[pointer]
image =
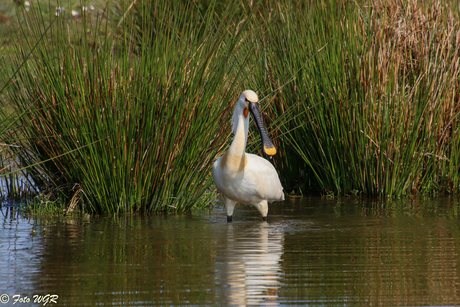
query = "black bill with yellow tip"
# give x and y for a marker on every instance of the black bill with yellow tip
(267, 144)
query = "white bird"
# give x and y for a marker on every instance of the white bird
(243, 177)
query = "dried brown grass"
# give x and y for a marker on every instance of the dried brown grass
(413, 38)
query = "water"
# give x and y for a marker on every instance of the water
(313, 252)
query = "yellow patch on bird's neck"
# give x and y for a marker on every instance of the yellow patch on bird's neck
(245, 112)
(235, 163)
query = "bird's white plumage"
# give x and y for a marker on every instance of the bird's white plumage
(242, 177)
(257, 182)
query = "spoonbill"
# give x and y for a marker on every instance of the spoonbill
(243, 177)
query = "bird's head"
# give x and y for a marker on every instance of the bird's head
(249, 103)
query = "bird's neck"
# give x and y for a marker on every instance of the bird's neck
(238, 146)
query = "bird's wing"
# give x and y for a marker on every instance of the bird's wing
(262, 175)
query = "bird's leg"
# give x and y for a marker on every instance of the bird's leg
(230, 204)
(263, 209)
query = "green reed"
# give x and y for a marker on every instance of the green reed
(128, 112)
(126, 120)
(366, 110)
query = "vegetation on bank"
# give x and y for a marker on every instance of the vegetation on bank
(127, 112)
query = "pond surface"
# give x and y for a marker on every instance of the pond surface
(314, 252)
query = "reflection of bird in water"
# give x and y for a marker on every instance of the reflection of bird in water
(242, 177)
(251, 264)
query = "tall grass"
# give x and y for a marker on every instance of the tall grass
(375, 111)
(127, 113)
(126, 121)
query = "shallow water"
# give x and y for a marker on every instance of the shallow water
(313, 252)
